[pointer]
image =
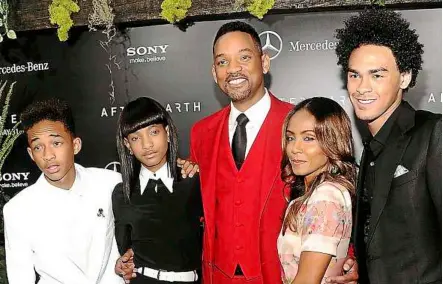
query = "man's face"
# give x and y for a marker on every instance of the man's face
(52, 147)
(375, 85)
(239, 66)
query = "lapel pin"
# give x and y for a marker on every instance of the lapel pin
(100, 213)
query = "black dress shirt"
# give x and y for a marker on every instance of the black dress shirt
(373, 146)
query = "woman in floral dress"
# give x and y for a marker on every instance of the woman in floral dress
(318, 165)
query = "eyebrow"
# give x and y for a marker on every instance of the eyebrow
(304, 131)
(150, 126)
(219, 55)
(51, 135)
(241, 50)
(246, 49)
(308, 130)
(371, 71)
(381, 69)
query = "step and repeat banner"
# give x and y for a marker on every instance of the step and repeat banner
(174, 67)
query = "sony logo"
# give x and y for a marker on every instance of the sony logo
(143, 50)
(14, 176)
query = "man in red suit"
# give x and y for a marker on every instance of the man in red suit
(241, 187)
(238, 150)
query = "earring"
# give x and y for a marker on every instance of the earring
(334, 170)
(130, 152)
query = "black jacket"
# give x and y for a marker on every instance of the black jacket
(404, 241)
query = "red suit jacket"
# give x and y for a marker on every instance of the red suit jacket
(208, 137)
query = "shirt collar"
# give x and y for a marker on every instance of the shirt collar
(162, 173)
(256, 113)
(379, 141)
(76, 187)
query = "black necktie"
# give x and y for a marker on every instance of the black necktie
(239, 140)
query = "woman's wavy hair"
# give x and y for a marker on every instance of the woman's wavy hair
(138, 114)
(333, 133)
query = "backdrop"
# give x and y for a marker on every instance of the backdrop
(173, 67)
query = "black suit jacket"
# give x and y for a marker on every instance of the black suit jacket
(405, 241)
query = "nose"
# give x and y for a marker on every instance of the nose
(147, 142)
(296, 147)
(364, 86)
(48, 154)
(234, 67)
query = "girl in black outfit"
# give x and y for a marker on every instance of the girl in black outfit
(157, 213)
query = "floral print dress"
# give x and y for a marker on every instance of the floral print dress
(324, 225)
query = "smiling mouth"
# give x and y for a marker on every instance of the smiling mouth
(237, 81)
(366, 102)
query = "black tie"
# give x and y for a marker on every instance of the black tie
(239, 140)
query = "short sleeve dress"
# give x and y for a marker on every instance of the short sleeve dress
(324, 225)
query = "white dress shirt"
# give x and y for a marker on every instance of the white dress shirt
(256, 115)
(67, 236)
(162, 173)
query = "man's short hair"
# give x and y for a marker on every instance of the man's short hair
(52, 109)
(238, 26)
(381, 27)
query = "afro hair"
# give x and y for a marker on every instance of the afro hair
(383, 28)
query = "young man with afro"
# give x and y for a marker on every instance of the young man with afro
(397, 225)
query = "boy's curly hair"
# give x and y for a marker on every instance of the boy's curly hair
(53, 109)
(384, 28)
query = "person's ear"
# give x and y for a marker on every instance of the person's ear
(30, 153)
(214, 74)
(77, 142)
(266, 63)
(405, 79)
(128, 146)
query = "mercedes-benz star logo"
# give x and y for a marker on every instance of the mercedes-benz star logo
(113, 166)
(273, 43)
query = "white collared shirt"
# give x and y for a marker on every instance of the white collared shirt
(256, 115)
(162, 173)
(67, 236)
